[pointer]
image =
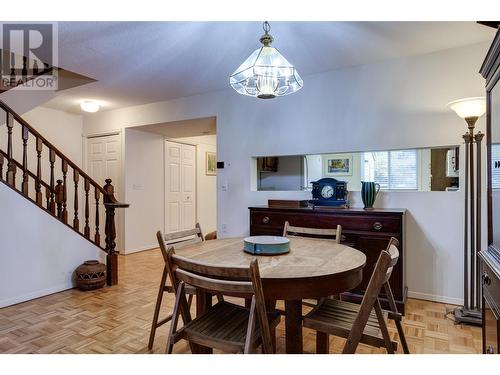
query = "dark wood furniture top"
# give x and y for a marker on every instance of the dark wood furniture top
(368, 231)
(225, 326)
(314, 268)
(366, 322)
(490, 258)
(73, 182)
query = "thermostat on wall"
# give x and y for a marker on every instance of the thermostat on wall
(220, 165)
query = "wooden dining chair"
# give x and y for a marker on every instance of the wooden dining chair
(181, 238)
(365, 323)
(335, 234)
(224, 326)
(328, 233)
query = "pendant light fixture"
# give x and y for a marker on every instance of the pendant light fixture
(266, 74)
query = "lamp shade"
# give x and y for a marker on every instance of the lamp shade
(266, 74)
(469, 107)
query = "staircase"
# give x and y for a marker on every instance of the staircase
(36, 169)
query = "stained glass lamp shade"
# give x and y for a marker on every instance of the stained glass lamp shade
(266, 73)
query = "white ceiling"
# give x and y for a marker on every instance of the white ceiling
(183, 129)
(143, 62)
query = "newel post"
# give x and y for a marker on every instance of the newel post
(110, 203)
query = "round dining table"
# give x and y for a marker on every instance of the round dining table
(313, 268)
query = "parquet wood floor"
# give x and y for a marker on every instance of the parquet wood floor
(117, 320)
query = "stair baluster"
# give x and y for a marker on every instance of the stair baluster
(47, 198)
(59, 198)
(52, 160)
(86, 230)
(38, 182)
(64, 213)
(24, 185)
(11, 166)
(76, 221)
(97, 237)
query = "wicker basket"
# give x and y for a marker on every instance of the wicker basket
(90, 275)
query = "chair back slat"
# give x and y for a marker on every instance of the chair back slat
(183, 234)
(214, 285)
(293, 231)
(183, 242)
(179, 239)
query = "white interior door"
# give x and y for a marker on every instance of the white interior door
(180, 186)
(104, 161)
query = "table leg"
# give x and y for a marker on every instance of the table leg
(203, 302)
(293, 326)
(322, 343)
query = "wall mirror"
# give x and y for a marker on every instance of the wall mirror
(425, 169)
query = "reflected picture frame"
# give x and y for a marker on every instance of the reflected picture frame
(337, 165)
(210, 163)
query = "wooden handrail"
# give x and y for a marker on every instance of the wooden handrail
(57, 191)
(59, 153)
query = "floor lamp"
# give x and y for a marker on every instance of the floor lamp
(471, 109)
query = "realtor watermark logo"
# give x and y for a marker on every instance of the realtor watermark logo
(28, 59)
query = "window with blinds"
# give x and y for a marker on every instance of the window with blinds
(392, 170)
(495, 166)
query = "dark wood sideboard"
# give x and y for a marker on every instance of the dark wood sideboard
(366, 230)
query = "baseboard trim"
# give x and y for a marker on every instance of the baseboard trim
(139, 249)
(435, 298)
(35, 294)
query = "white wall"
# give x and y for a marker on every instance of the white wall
(64, 130)
(37, 256)
(143, 161)
(393, 104)
(144, 187)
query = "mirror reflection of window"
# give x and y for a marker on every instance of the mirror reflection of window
(392, 170)
(495, 166)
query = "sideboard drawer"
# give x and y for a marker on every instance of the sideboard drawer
(365, 223)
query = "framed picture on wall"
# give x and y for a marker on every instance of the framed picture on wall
(337, 165)
(210, 163)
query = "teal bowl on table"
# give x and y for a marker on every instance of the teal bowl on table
(266, 245)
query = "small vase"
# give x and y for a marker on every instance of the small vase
(369, 191)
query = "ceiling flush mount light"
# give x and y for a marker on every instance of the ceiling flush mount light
(266, 74)
(89, 106)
